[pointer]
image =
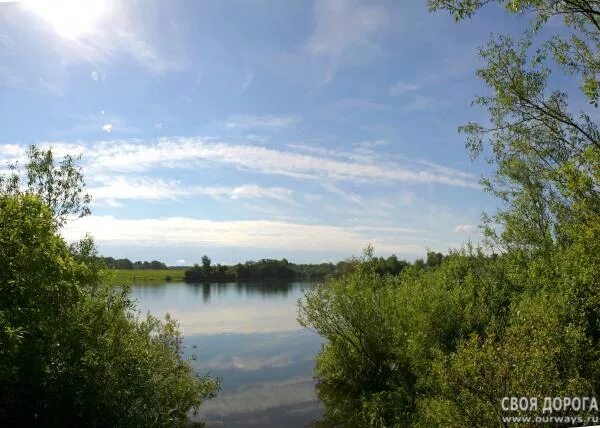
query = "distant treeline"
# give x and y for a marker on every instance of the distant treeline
(272, 269)
(113, 263)
(283, 269)
(257, 270)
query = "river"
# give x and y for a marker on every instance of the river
(247, 335)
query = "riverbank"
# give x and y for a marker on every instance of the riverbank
(145, 276)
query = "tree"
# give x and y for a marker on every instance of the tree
(155, 264)
(547, 156)
(434, 259)
(123, 264)
(60, 186)
(361, 379)
(446, 340)
(206, 269)
(73, 351)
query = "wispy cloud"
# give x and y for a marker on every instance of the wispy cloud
(341, 28)
(370, 144)
(272, 122)
(247, 81)
(117, 188)
(465, 228)
(138, 156)
(185, 231)
(247, 191)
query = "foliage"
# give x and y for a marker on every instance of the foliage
(547, 156)
(442, 343)
(61, 187)
(284, 270)
(384, 330)
(113, 263)
(74, 352)
(441, 346)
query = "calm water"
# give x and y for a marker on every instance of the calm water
(247, 335)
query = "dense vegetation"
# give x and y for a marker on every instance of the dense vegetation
(284, 270)
(113, 263)
(441, 345)
(72, 351)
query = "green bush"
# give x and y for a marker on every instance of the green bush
(73, 352)
(441, 344)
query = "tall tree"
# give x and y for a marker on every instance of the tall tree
(206, 264)
(60, 185)
(547, 153)
(443, 343)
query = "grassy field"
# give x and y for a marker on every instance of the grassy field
(146, 276)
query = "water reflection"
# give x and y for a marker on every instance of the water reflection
(247, 335)
(265, 289)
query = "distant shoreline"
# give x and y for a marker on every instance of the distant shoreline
(155, 276)
(141, 276)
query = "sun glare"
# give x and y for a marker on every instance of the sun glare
(69, 18)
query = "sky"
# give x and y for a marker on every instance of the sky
(253, 129)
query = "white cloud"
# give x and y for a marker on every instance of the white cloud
(371, 144)
(247, 191)
(11, 153)
(137, 156)
(90, 123)
(400, 88)
(97, 76)
(120, 187)
(153, 189)
(11, 150)
(185, 231)
(272, 122)
(465, 228)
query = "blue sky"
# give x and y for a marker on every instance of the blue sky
(250, 129)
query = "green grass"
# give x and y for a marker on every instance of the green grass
(145, 276)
